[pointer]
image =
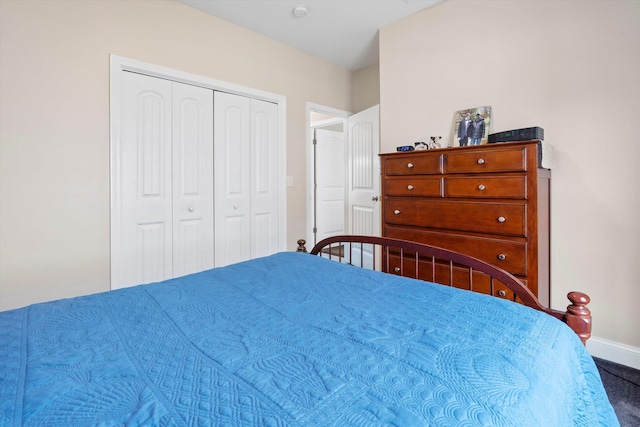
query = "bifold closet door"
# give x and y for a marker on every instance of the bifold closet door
(164, 188)
(246, 164)
(192, 153)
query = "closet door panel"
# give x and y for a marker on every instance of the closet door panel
(232, 171)
(264, 190)
(145, 193)
(192, 137)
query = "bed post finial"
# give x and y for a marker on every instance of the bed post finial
(301, 245)
(578, 315)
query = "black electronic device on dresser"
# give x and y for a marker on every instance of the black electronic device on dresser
(524, 134)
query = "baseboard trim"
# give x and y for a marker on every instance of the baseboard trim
(614, 352)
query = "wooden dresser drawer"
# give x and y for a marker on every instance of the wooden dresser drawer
(410, 164)
(507, 254)
(414, 186)
(504, 160)
(480, 217)
(509, 187)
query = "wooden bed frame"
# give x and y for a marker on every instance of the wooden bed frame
(443, 266)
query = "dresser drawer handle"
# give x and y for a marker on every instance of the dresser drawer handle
(502, 257)
(409, 165)
(501, 219)
(396, 212)
(481, 161)
(481, 187)
(397, 269)
(502, 293)
(409, 187)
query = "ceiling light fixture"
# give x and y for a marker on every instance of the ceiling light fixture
(300, 10)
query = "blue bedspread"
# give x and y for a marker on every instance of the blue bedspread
(293, 339)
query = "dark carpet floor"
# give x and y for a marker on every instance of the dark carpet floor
(623, 387)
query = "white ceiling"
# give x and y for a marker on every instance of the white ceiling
(344, 32)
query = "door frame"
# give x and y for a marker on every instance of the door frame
(119, 64)
(340, 115)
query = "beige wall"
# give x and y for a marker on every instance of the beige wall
(54, 123)
(570, 67)
(365, 88)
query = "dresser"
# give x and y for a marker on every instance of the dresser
(488, 201)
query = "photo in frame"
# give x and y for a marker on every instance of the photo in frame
(471, 127)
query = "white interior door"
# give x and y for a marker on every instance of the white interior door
(144, 183)
(331, 182)
(246, 183)
(192, 148)
(364, 180)
(232, 164)
(264, 211)
(364, 172)
(163, 181)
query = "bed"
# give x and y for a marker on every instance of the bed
(294, 339)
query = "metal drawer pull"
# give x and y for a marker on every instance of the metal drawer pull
(502, 257)
(397, 269)
(501, 219)
(502, 293)
(409, 165)
(396, 212)
(409, 187)
(481, 187)
(481, 161)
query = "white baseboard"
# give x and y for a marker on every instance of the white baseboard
(614, 352)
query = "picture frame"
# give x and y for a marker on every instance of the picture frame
(468, 124)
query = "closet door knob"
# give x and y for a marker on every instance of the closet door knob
(502, 257)
(481, 161)
(409, 187)
(481, 187)
(375, 198)
(190, 209)
(396, 212)
(397, 269)
(409, 165)
(501, 219)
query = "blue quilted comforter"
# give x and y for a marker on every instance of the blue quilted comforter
(293, 339)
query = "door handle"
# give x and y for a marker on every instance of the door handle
(375, 198)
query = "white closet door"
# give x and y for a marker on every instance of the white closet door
(232, 167)
(192, 147)
(145, 238)
(246, 178)
(264, 177)
(164, 181)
